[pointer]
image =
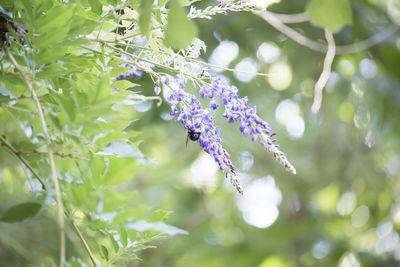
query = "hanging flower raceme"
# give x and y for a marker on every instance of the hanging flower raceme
(200, 121)
(237, 109)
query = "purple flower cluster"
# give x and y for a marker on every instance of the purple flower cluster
(198, 120)
(135, 72)
(237, 109)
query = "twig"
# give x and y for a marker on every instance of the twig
(294, 35)
(60, 207)
(84, 242)
(186, 58)
(61, 155)
(326, 71)
(291, 18)
(27, 165)
(369, 42)
(14, 99)
(275, 22)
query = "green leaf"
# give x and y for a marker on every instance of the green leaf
(129, 214)
(96, 6)
(98, 224)
(112, 2)
(5, 92)
(13, 82)
(188, 2)
(180, 30)
(161, 3)
(124, 236)
(67, 105)
(103, 88)
(329, 14)
(104, 252)
(142, 226)
(113, 242)
(123, 84)
(52, 37)
(130, 256)
(81, 25)
(119, 170)
(159, 215)
(49, 55)
(56, 18)
(145, 15)
(20, 212)
(114, 72)
(97, 169)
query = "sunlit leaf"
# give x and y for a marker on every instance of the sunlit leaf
(104, 252)
(159, 215)
(180, 31)
(123, 84)
(142, 226)
(113, 242)
(332, 15)
(54, 18)
(145, 15)
(119, 170)
(96, 6)
(124, 236)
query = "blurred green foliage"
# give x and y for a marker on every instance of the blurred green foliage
(341, 209)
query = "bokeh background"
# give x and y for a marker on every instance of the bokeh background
(342, 208)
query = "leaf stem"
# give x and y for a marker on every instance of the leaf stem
(84, 242)
(27, 165)
(60, 207)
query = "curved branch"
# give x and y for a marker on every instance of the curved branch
(27, 165)
(58, 154)
(326, 72)
(275, 22)
(290, 18)
(369, 42)
(60, 207)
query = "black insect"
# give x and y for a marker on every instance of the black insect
(192, 135)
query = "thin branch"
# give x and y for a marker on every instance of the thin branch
(27, 165)
(294, 35)
(275, 22)
(290, 18)
(326, 71)
(58, 154)
(186, 58)
(369, 42)
(84, 242)
(60, 207)
(16, 108)
(14, 99)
